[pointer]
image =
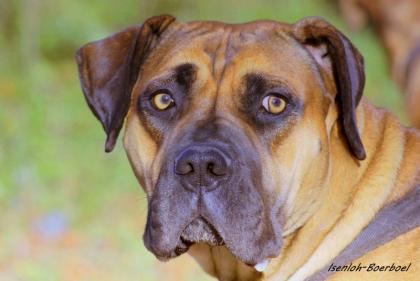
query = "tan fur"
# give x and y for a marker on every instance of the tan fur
(328, 196)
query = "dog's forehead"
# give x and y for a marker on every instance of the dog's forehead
(257, 46)
(239, 33)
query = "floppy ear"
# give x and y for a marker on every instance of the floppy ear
(335, 53)
(108, 70)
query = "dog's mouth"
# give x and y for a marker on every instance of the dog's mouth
(198, 231)
(232, 216)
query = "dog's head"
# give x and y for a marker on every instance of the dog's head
(227, 126)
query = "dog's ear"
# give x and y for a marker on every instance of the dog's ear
(108, 70)
(335, 53)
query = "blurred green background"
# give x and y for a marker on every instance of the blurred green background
(68, 211)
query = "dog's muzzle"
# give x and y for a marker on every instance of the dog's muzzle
(201, 169)
(211, 192)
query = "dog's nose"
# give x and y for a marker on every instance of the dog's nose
(202, 167)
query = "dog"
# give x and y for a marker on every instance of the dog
(397, 23)
(258, 154)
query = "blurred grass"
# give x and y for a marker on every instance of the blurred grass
(68, 211)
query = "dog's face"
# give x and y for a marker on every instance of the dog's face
(227, 126)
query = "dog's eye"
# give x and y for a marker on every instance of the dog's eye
(274, 104)
(162, 101)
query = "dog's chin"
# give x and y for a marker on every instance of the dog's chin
(201, 231)
(198, 231)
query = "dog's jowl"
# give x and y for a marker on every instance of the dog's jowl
(258, 154)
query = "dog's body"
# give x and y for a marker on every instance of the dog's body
(397, 22)
(245, 140)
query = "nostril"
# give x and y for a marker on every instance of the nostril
(184, 168)
(210, 167)
(217, 170)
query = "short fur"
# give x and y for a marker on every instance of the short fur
(307, 182)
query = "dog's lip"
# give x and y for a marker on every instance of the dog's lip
(185, 242)
(184, 245)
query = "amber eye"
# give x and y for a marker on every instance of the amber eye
(162, 101)
(274, 104)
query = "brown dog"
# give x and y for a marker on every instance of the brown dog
(397, 23)
(253, 142)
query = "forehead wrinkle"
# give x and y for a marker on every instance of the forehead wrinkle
(184, 45)
(240, 38)
(235, 40)
(278, 57)
(217, 54)
(240, 59)
(215, 48)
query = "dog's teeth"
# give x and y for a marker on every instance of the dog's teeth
(261, 266)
